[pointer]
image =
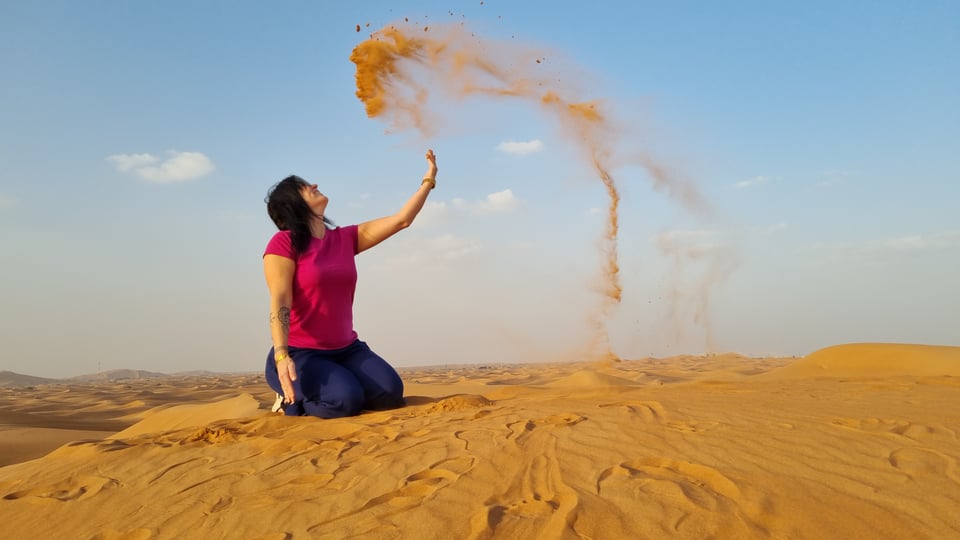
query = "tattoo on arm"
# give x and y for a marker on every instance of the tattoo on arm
(283, 316)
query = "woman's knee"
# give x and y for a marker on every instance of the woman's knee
(350, 400)
(390, 395)
(382, 383)
(391, 383)
(336, 402)
(386, 402)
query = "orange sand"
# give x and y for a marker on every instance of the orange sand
(858, 441)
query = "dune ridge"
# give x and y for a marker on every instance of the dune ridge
(11, 379)
(686, 447)
(876, 360)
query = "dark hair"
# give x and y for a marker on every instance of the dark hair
(290, 212)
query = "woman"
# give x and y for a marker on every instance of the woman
(317, 365)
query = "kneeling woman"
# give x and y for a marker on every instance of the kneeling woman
(317, 365)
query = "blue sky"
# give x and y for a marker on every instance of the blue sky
(138, 140)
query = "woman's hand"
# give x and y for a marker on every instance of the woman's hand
(288, 373)
(432, 166)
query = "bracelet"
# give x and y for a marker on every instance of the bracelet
(433, 182)
(280, 356)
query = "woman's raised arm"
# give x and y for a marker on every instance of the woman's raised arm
(373, 232)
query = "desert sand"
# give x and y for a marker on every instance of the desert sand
(854, 441)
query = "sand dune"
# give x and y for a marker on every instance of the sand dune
(118, 375)
(11, 379)
(165, 418)
(50, 415)
(876, 360)
(688, 447)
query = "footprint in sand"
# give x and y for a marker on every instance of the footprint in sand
(654, 411)
(701, 485)
(924, 462)
(222, 504)
(177, 465)
(461, 402)
(566, 419)
(537, 496)
(74, 489)
(650, 411)
(691, 427)
(885, 425)
(421, 485)
(520, 429)
(414, 489)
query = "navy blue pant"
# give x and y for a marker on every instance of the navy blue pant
(340, 382)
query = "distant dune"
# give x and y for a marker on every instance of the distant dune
(118, 375)
(9, 379)
(875, 360)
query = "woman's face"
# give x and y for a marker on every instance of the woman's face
(315, 200)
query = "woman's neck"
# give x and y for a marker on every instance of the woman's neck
(318, 229)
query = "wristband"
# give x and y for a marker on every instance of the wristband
(433, 182)
(280, 356)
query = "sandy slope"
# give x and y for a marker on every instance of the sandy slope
(688, 447)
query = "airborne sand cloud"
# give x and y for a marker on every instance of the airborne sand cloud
(399, 67)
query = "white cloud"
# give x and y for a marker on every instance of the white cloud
(435, 213)
(495, 203)
(7, 202)
(756, 180)
(126, 162)
(520, 148)
(178, 167)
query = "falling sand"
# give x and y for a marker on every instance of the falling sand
(391, 68)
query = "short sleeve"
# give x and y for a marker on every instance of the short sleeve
(282, 245)
(351, 231)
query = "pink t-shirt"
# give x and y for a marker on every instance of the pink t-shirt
(324, 283)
